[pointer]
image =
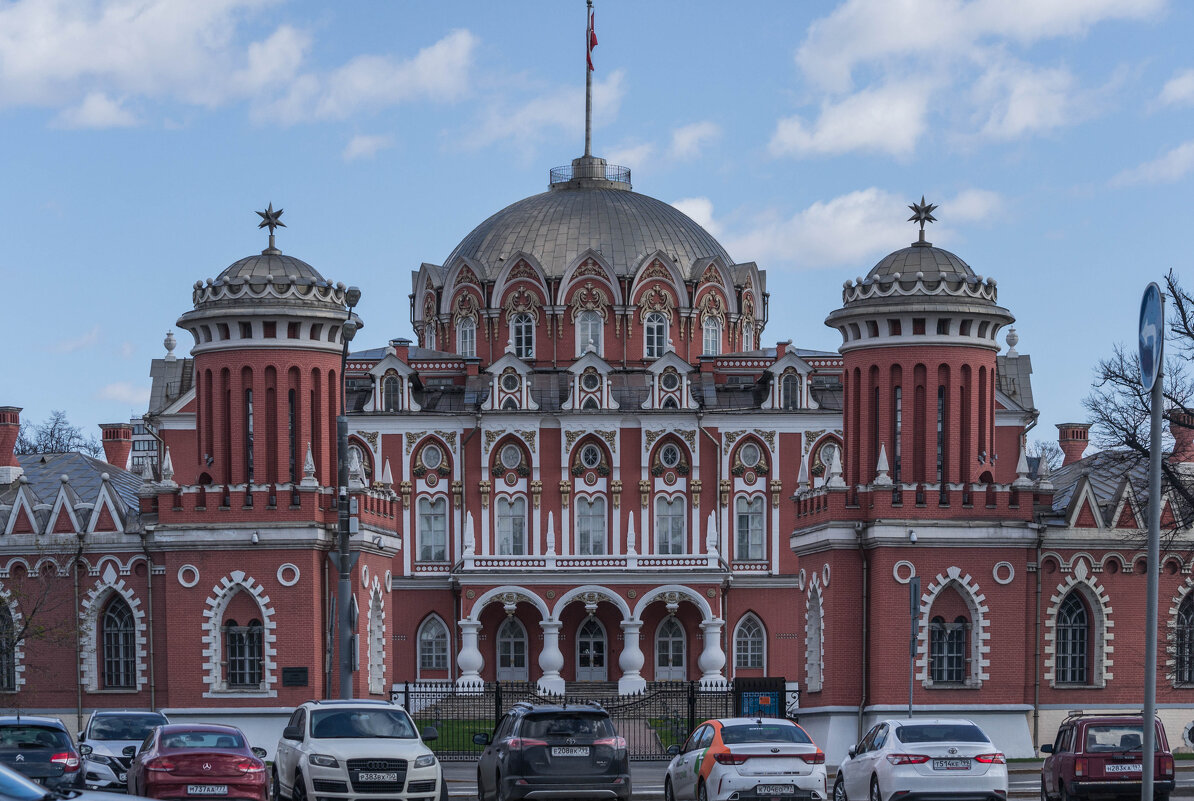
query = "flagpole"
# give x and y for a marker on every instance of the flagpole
(588, 80)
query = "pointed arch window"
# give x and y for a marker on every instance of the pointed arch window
(748, 644)
(429, 337)
(119, 644)
(589, 329)
(433, 645)
(789, 391)
(654, 335)
(8, 650)
(947, 649)
(512, 526)
(391, 394)
(712, 337)
(1073, 637)
(1184, 642)
(243, 646)
(669, 525)
(433, 525)
(749, 530)
(522, 333)
(590, 526)
(466, 338)
(748, 337)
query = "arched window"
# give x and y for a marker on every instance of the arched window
(391, 394)
(1073, 636)
(669, 525)
(947, 649)
(8, 650)
(243, 647)
(522, 333)
(466, 338)
(789, 391)
(589, 330)
(749, 544)
(654, 335)
(669, 650)
(748, 644)
(712, 337)
(590, 526)
(433, 645)
(1184, 642)
(512, 526)
(119, 643)
(429, 337)
(512, 651)
(433, 526)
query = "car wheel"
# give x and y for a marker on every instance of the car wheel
(839, 790)
(668, 793)
(1061, 793)
(498, 792)
(702, 793)
(876, 793)
(275, 787)
(299, 793)
(1044, 792)
(443, 787)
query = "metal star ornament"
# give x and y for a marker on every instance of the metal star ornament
(921, 212)
(270, 219)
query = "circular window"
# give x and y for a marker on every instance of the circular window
(590, 382)
(511, 457)
(670, 381)
(749, 454)
(669, 455)
(432, 457)
(827, 452)
(510, 382)
(590, 456)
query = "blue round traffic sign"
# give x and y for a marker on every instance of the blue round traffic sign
(1152, 336)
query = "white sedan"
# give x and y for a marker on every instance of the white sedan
(922, 758)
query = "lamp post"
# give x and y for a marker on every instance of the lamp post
(341, 557)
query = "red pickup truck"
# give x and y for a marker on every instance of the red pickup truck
(1100, 755)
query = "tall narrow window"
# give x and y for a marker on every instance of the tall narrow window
(291, 436)
(875, 432)
(748, 644)
(1073, 634)
(590, 526)
(119, 643)
(654, 335)
(748, 337)
(712, 337)
(940, 435)
(429, 337)
(8, 650)
(512, 526)
(466, 338)
(243, 645)
(789, 390)
(947, 649)
(1184, 642)
(749, 541)
(814, 633)
(248, 437)
(669, 525)
(897, 430)
(589, 330)
(522, 331)
(433, 646)
(433, 524)
(391, 398)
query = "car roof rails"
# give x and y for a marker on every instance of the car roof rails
(1074, 714)
(522, 705)
(350, 702)
(595, 703)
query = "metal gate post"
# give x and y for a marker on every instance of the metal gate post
(692, 687)
(406, 696)
(497, 703)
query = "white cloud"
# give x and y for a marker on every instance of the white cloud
(636, 156)
(274, 61)
(96, 111)
(363, 146)
(124, 392)
(1018, 99)
(127, 350)
(888, 119)
(688, 140)
(1178, 90)
(975, 205)
(1168, 168)
(77, 343)
(700, 209)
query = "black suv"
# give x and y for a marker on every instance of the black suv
(41, 749)
(550, 751)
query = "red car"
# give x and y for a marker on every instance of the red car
(184, 761)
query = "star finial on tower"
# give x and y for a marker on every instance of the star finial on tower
(271, 219)
(922, 213)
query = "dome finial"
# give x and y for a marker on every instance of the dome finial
(922, 213)
(271, 219)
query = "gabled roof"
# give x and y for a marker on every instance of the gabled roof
(590, 359)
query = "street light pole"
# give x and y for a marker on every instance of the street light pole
(342, 558)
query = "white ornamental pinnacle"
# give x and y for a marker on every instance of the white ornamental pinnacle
(802, 476)
(170, 342)
(1022, 481)
(1042, 476)
(1012, 340)
(711, 535)
(882, 478)
(147, 473)
(551, 532)
(309, 479)
(835, 470)
(167, 468)
(469, 535)
(387, 478)
(630, 537)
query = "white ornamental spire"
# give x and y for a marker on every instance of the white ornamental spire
(835, 470)
(882, 478)
(309, 479)
(167, 468)
(631, 537)
(469, 535)
(551, 533)
(1022, 481)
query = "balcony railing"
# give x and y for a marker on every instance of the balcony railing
(562, 175)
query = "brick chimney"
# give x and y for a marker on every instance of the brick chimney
(118, 442)
(1073, 439)
(10, 427)
(1181, 427)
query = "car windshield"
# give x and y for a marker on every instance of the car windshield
(763, 733)
(124, 727)
(361, 723)
(566, 725)
(940, 733)
(15, 787)
(202, 739)
(1114, 737)
(23, 736)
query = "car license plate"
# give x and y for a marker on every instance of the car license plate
(377, 777)
(570, 751)
(124, 777)
(1123, 767)
(775, 789)
(951, 764)
(207, 789)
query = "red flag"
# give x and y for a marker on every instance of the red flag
(592, 38)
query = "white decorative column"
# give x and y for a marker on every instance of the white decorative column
(551, 660)
(712, 658)
(469, 660)
(631, 660)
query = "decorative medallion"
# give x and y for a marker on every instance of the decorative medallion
(511, 479)
(749, 477)
(669, 478)
(432, 479)
(590, 478)
(712, 593)
(470, 594)
(550, 594)
(632, 594)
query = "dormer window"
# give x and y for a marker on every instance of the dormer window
(789, 390)
(391, 398)
(522, 333)
(655, 335)
(589, 329)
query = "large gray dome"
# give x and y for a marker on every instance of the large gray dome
(920, 257)
(271, 263)
(557, 226)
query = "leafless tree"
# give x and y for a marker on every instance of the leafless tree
(56, 435)
(1047, 451)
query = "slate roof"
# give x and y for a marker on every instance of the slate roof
(920, 257)
(171, 379)
(1013, 376)
(45, 470)
(276, 264)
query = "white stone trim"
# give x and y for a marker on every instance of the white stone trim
(1081, 580)
(1008, 568)
(980, 646)
(896, 568)
(191, 569)
(213, 640)
(294, 579)
(814, 673)
(90, 610)
(1171, 633)
(376, 638)
(18, 651)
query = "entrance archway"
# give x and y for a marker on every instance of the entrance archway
(512, 651)
(591, 651)
(670, 663)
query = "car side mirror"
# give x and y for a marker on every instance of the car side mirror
(259, 752)
(292, 733)
(129, 750)
(85, 750)
(673, 750)
(481, 738)
(429, 733)
(853, 751)
(1047, 748)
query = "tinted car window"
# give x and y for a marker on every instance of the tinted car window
(15, 787)
(123, 727)
(880, 736)
(33, 737)
(1114, 737)
(941, 732)
(361, 723)
(694, 738)
(567, 725)
(765, 733)
(706, 738)
(202, 739)
(865, 744)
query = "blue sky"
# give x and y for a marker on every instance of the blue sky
(140, 136)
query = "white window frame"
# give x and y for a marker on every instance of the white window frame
(433, 529)
(590, 515)
(430, 653)
(747, 646)
(590, 325)
(511, 526)
(655, 335)
(466, 338)
(522, 335)
(711, 337)
(750, 544)
(671, 518)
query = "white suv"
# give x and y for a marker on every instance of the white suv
(337, 750)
